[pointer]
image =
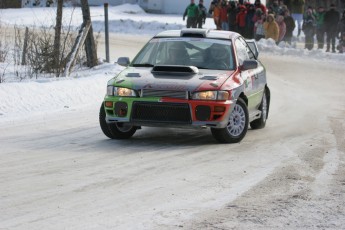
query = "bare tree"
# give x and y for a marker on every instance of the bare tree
(90, 46)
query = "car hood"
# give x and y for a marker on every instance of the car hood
(173, 79)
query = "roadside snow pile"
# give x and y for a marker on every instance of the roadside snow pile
(17, 99)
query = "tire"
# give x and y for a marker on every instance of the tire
(261, 122)
(115, 130)
(237, 126)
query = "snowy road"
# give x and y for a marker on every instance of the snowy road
(61, 172)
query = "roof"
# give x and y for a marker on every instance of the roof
(205, 33)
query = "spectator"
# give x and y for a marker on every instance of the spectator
(297, 9)
(320, 27)
(275, 7)
(290, 26)
(341, 32)
(309, 29)
(271, 28)
(213, 4)
(331, 21)
(259, 31)
(232, 12)
(241, 20)
(282, 27)
(249, 21)
(216, 15)
(258, 4)
(202, 14)
(287, 3)
(223, 16)
(192, 13)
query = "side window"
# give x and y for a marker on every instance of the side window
(241, 50)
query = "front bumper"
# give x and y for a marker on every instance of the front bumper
(168, 112)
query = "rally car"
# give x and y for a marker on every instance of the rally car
(189, 78)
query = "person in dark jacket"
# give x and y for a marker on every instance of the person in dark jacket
(331, 20)
(290, 26)
(192, 13)
(202, 14)
(309, 28)
(232, 12)
(249, 33)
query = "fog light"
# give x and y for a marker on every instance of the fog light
(109, 104)
(121, 109)
(219, 108)
(202, 112)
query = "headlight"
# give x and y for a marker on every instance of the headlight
(211, 95)
(121, 92)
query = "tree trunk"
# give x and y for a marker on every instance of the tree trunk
(90, 46)
(56, 53)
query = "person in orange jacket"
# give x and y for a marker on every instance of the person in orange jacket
(271, 28)
(216, 15)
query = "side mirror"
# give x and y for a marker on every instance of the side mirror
(249, 64)
(123, 61)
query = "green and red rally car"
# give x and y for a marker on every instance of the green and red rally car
(190, 78)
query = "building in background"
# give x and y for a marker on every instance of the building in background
(10, 4)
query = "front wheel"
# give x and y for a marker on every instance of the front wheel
(237, 126)
(115, 130)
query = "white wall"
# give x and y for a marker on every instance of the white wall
(179, 6)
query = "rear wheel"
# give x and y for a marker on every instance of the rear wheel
(115, 130)
(237, 125)
(261, 122)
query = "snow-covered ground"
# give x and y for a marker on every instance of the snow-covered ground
(58, 171)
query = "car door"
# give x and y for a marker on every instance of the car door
(253, 88)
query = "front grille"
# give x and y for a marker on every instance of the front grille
(164, 93)
(175, 113)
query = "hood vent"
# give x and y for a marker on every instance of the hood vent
(175, 69)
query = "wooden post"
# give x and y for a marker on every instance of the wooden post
(57, 37)
(106, 22)
(25, 48)
(90, 46)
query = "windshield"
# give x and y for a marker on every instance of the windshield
(199, 52)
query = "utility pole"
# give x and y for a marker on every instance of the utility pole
(90, 46)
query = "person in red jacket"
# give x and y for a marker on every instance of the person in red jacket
(241, 20)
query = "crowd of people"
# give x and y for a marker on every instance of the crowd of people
(277, 19)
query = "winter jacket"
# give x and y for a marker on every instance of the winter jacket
(331, 20)
(191, 11)
(232, 13)
(241, 18)
(290, 25)
(297, 6)
(271, 29)
(202, 12)
(223, 14)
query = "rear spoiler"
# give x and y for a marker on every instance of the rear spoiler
(253, 47)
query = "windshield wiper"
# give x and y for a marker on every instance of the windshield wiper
(143, 65)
